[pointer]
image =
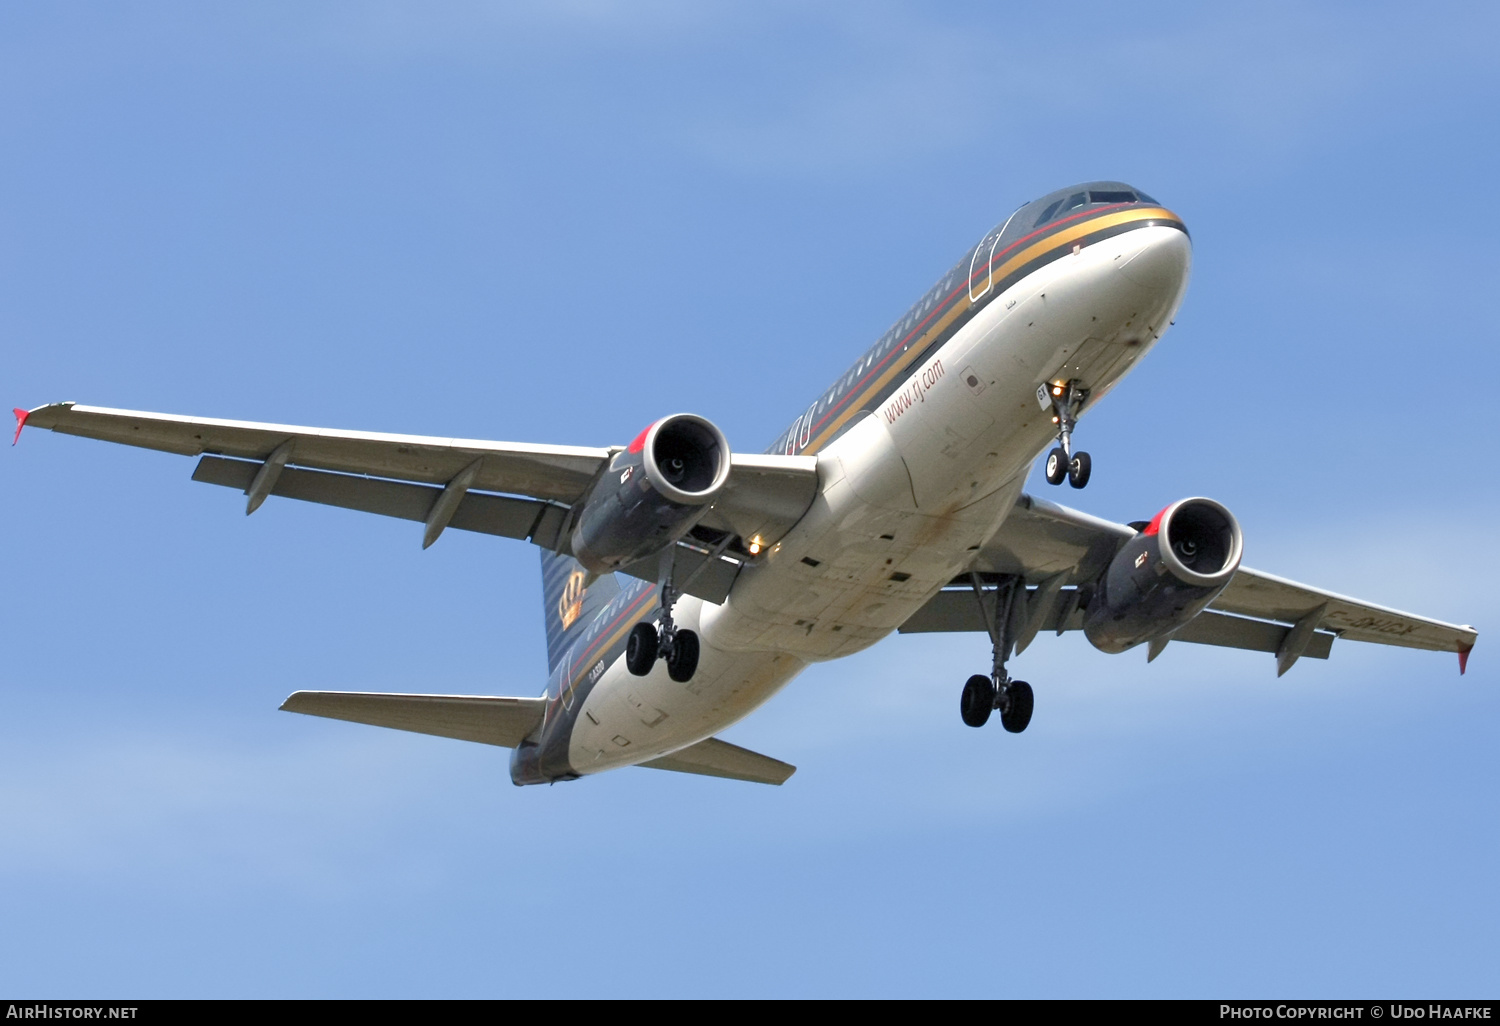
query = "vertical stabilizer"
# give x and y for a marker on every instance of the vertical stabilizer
(568, 606)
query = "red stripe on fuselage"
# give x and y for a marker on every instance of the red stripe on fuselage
(948, 299)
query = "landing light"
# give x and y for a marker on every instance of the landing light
(755, 545)
(1057, 390)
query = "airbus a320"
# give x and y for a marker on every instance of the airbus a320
(685, 583)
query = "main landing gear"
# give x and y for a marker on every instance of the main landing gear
(982, 695)
(1065, 401)
(677, 645)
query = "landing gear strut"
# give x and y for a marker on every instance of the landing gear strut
(982, 695)
(677, 645)
(1065, 401)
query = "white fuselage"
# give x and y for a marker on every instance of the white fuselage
(904, 496)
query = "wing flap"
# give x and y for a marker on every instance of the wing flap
(715, 758)
(501, 515)
(1210, 628)
(504, 722)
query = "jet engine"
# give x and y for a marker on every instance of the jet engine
(653, 493)
(1165, 575)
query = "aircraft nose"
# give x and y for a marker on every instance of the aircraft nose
(1163, 261)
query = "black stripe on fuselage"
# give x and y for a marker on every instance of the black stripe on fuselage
(573, 679)
(870, 383)
(603, 641)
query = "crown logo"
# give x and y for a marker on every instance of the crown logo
(571, 603)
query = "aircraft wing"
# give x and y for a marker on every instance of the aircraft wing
(556, 472)
(510, 489)
(1061, 548)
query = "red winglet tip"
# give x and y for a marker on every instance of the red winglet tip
(21, 416)
(1463, 660)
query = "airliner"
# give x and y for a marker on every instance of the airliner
(685, 583)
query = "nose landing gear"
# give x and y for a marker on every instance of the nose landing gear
(1065, 401)
(984, 694)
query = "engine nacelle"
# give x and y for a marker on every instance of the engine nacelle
(653, 493)
(1164, 576)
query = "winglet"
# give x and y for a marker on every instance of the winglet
(1463, 659)
(21, 416)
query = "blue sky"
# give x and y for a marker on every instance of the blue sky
(558, 222)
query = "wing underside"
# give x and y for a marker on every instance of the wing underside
(508, 489)
(1061, 550)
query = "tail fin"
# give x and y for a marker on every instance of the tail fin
(568, 606)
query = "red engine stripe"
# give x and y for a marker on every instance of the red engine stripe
(1155, 524)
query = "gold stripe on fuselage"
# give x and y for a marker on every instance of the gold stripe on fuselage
(1047, 244)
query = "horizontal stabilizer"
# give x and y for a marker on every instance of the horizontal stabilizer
(715, 758)
(490, 721)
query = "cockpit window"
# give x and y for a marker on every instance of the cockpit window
(1076, 200)
(1079, 199)
(1047, 214)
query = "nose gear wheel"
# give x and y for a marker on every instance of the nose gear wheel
(1065, 401)
(1057, 466)
(1079, 468)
